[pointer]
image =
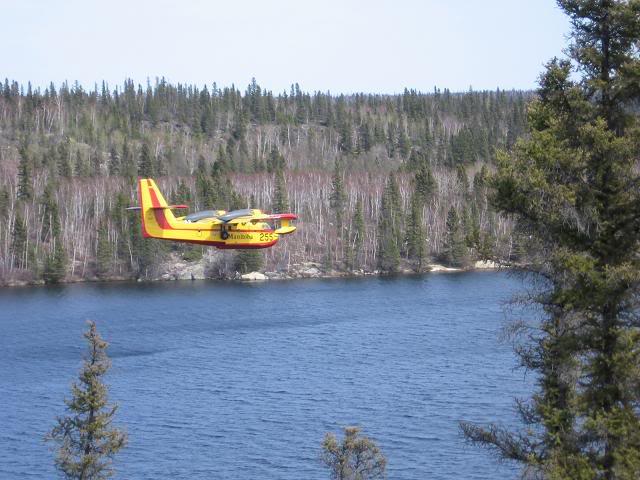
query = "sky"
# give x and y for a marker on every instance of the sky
(330, 45)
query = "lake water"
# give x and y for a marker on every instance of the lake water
(241, 381)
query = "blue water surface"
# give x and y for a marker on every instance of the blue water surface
(241, 381)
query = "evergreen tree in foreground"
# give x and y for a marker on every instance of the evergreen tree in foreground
(356, 458)
(86, 439)
(574, 184)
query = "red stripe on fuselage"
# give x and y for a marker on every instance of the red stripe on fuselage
(161, 218)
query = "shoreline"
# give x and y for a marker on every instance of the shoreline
(307, 270)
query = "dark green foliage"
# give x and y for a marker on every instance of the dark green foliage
(183, 194)
(389, 228)
(143, 250)
(64, 158)
(248, 261)
(81, 168)
(104, 252)
(145, 165)
(338, 196)
(86, 439)
(463, 179)
(455, 248)
(275, 161)
(425, 183)
(416, 239)
(55, 265)
(573, 186)
(280, 196)
(4, 203)
(115, 164)
(25, 187)
(51, 218)
(354, 257)
(19, 242)
(128, 163)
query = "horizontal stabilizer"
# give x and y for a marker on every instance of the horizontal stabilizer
(282, 216)
(171, 206)
(133, 208)
(285, 230)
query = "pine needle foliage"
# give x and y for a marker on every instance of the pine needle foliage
(573, 184)
(86, 440)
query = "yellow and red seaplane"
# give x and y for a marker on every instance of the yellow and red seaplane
(238, 229)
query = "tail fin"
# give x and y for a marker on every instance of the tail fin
(157, 217)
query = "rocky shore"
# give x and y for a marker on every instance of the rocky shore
(214, 266)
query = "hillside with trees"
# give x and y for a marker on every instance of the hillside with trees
(380, 182)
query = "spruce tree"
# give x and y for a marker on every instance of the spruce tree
(25, 187)
(145, 165)
(55, 265)
(115, 167)
(104, 251)
(280, 196)
(64, 158)
(357, 233)
(50, 218)
(425, 183)
(574, 182)
(388, 229)
(19, 242)
(86, 439)
(4, 203)
(415, 232)
(338, 196)
(455, 248)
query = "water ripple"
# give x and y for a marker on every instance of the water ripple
(221, 381)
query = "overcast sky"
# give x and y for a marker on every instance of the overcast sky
(342, 46)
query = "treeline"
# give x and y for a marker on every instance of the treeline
(381, 182)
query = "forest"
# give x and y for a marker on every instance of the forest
(381, 183)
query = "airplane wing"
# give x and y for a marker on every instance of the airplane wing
(243, 216)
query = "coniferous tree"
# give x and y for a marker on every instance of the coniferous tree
(275, 161)
(25, 187)
(415, 232)
(55, 265)
(388, 229)
(50, 218)
(280, 196)
(104, 252)
(425, 183)
(129, 169)
(115, 166)
(574, 183)
(19, 242)
(455, 248)
(145, 165)
(355, 458)
(5, 202)
(358, 232)
(249, 261)
(87, 441)
(338, 197)
(64, 158)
